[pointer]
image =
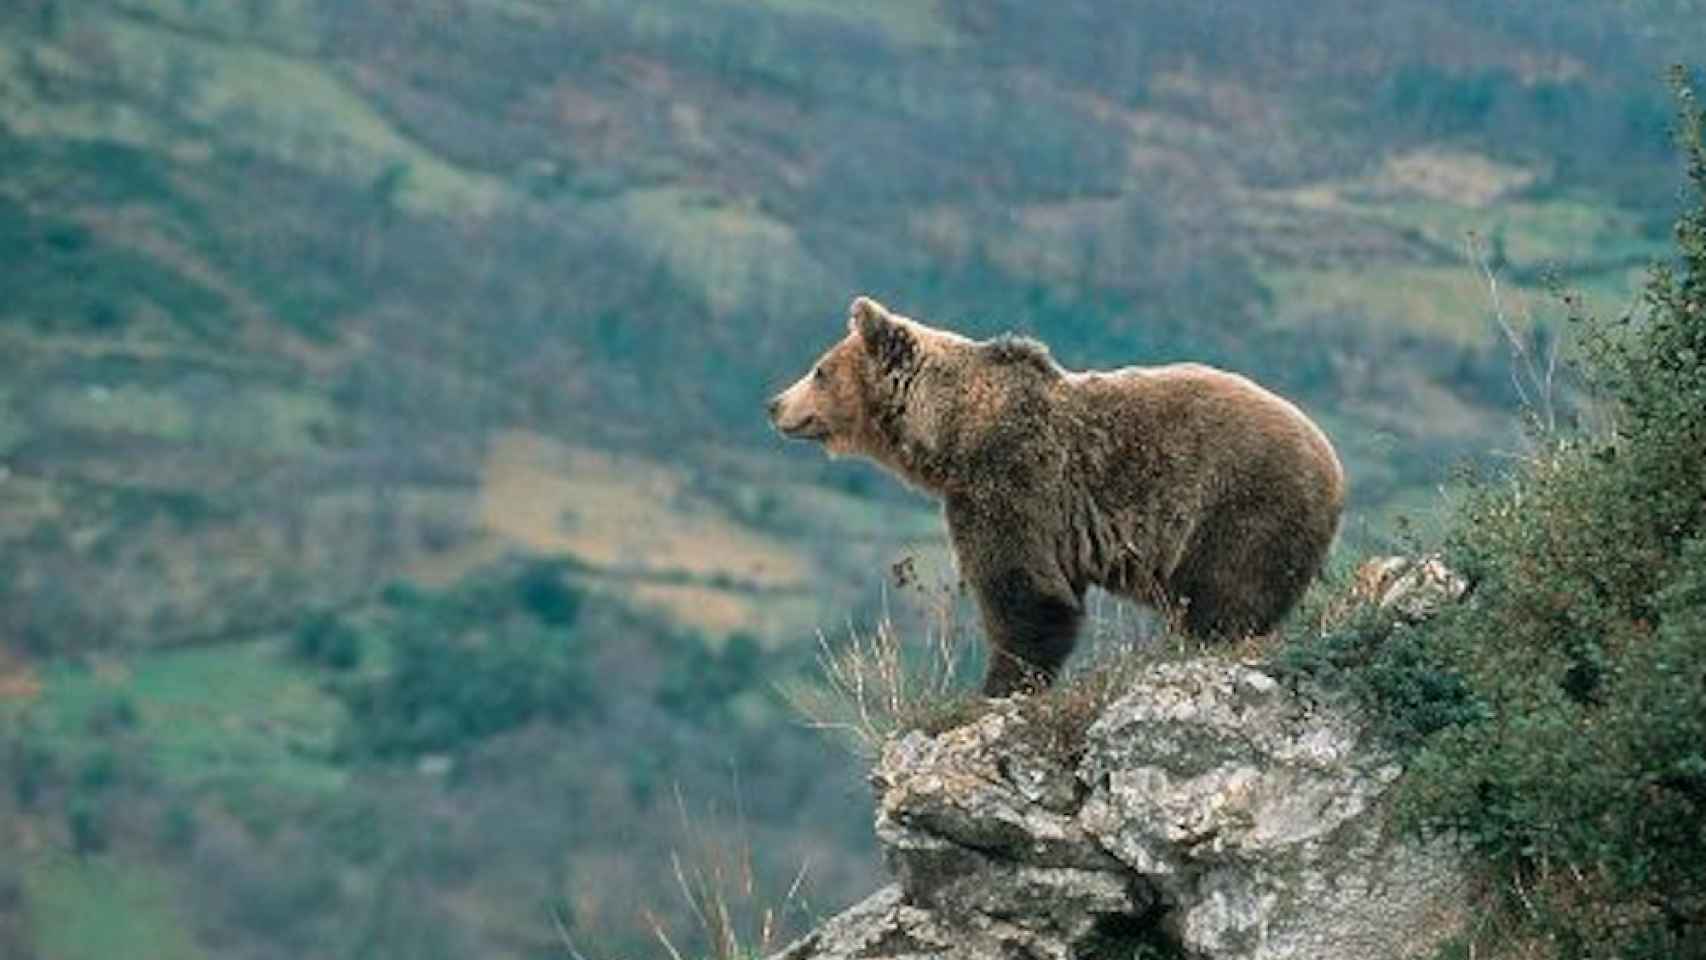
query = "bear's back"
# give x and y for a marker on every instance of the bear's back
(1207, 415)
(1228, 492)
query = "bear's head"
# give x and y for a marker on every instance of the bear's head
(840, 401)
(899, 392)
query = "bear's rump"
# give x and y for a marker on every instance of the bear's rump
(1249, 563)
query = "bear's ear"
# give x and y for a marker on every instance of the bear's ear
(866, 313)
(886, 338)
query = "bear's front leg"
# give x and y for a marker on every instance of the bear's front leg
(1030, 627)
(1030, 609)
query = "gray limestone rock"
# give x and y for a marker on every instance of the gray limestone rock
(1207, 808)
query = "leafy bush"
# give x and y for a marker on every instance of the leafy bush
(32, 768)
(470, 662)
(99, 770)
(544, 593)
(179, 827)
(86, 821)
(703, 680)
(1370, 657)
(328, 640)
(1577, 770)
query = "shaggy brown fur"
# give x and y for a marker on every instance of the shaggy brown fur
(1184, 487)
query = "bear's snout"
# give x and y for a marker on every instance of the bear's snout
(794, 417)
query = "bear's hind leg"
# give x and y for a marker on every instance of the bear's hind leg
(1234, 592)
(1030, 628)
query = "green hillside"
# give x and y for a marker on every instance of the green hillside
(337, 339)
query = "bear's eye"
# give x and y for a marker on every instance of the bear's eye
(818, 376)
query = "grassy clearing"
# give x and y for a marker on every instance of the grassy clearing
(634, 517)
(1446, 303)
(1451, 175)
(1450, 304)
(125, 410)
(275, 421)
(238, 713)
(85, 120)
(95, 909)
(288, 24)
(719, 612)
(909, 22)
(1444, 199)
(605, 509)
(736, 256)
(1532, 233)
(278, 105)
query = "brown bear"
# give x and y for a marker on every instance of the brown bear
(1183, 487)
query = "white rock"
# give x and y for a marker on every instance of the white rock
(1207, 804)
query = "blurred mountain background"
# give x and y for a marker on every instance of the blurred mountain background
(394, 557)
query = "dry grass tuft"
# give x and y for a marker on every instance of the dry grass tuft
(877, 683)
(736, 919)
(1062, 714)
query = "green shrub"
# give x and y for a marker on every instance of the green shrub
(1372, 658)
(1579, 773)
(703, 681)
(99, 770)
(326, 639)
(469, 662)
(32, 768)
(179, 827)
(86, 820)
(546, 596)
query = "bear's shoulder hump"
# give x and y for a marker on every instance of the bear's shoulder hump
(1010, 348)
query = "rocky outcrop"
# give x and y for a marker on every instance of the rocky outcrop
(1206, 813)
(1412, 589)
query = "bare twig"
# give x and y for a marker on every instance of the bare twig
(663, 937)
(1534, 379)
(718, 880)
(562, 929)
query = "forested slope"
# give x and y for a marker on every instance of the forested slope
(322, 325)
